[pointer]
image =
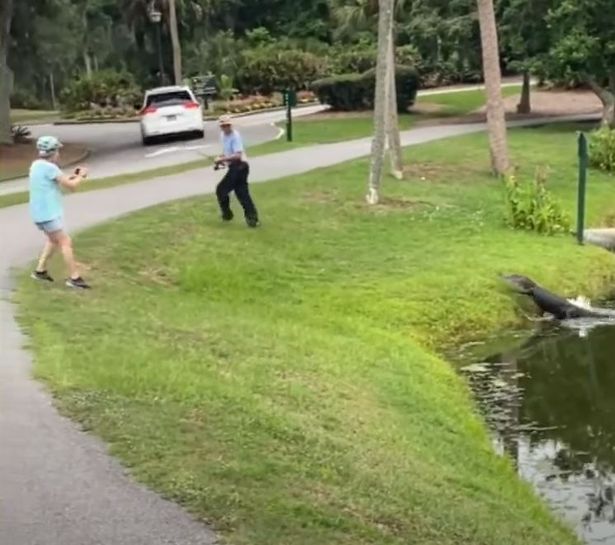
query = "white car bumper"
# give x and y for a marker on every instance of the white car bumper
(172, 124)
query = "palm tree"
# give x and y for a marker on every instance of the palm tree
(385, 25)
(352, 16)
(177, 52)
(137, 14)
(392, 121)
(6, 75)
(496, 118)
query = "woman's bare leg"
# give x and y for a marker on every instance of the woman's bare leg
(64, 242)
(45, 255)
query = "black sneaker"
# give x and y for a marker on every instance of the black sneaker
(227, 216)
(252, 222)
(41, 275)
(78, 283)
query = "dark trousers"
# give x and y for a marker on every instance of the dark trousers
(236, 179)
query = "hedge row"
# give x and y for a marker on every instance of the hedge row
(350, 92)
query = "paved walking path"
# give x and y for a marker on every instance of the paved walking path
(57, 485)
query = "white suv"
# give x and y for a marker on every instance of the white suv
(171, 111)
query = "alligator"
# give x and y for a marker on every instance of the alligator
(549, 303)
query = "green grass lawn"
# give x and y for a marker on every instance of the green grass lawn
(463, 102)
(284, 384)
(327, 128)
(33, 116)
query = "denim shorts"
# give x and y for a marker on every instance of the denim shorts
(51, 226)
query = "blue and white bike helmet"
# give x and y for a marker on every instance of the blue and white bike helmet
(47, 145)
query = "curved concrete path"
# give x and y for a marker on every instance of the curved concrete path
(58, 486)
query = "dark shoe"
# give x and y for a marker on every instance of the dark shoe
(252, 222)
(227, 216)
(78, 283)
(41, 275)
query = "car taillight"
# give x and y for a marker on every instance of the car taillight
(149, 110)
(191, 105)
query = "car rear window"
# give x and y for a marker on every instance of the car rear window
(168, 99)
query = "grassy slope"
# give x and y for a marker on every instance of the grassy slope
(279, 382)
(33, 116)
(464, 102)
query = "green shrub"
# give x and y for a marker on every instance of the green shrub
(531, 207)
(21, 98)
(349, 92)
(104, 89)
(353, 60)
(268, 68)
(602, 149)
(344, 93)
(362, 57)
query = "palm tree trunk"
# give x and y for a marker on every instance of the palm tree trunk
(496, 119)
(525, 106)
(6, 75)
(392, 120)
(385, 22)
(177, 52)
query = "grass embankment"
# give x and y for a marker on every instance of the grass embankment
(283, 383)
(463, 102)
(329, 127)
(33, 116)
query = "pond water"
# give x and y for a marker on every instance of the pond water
(550, 403)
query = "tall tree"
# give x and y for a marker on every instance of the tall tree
(583, 48)
(6, 75)
(496, 118)
(525, 38)
(177, 51)
(392, 126)
(385, 24)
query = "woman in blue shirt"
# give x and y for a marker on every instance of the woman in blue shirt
(47, 212)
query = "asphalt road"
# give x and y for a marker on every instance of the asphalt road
(116, 148)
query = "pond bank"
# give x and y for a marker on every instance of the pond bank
(548, 402)
(282, 383)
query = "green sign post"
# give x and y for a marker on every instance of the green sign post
(583, 162)
(204, 87)
(290, 101)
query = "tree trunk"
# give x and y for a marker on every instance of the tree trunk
(496, 119)
(607, 97)
(385, 22)
(392, 121)
(177, 52)
(52, 88)
(6, 75)
(87, 61)
(525, 105)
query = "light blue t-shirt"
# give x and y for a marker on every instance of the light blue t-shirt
(232, 143)
(45, 192)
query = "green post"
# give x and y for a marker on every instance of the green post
(583, 161)
(289, 100)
